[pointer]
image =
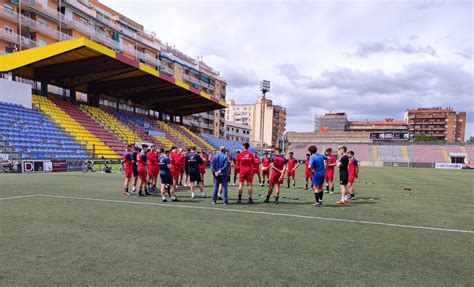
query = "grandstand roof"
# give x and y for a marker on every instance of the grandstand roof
(89, 67)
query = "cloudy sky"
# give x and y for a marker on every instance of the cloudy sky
(371, 59)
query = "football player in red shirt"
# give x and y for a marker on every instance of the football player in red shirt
(202, 166)
(182, 160)
(236, 166)
(142, 172)
(278, 167)
(265, 170)
(353, 174)
(245, 161)
(307, 173)
(128, 167)
(152, 158)
(330, 165)
(256, 167)
(175, 158)
(292, 166)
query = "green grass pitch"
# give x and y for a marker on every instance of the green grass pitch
(78, 241)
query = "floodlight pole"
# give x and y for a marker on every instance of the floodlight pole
(19, 23)
(264, 88)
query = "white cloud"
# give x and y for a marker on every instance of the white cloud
(408, 53)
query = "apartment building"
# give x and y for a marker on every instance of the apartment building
(238, 132)
(274, 120)
(330, 122)
(441, 123)
(27, 24)
(387, 125)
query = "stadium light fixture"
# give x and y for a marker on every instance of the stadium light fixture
(264, 88)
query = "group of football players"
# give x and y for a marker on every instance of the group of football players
(143, 165)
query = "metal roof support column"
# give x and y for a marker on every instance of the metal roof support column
(72, 94)
(44, 88)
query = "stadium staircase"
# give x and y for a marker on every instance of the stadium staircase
(197, 141)
(73, 127)
(112, 124)
(445, 154)
(469, 151)
(391, 153)
(374, 153)
(28, 134)
(466, 153)
(405, 153)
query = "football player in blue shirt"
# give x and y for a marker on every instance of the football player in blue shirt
(318, 168)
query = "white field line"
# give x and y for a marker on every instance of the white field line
(16, 197)
(261, 213)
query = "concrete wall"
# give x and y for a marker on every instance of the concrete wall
(16, 93)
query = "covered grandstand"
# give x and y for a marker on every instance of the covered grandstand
(70, 128)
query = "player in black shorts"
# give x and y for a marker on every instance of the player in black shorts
(192, 162)
(343, 173)
(136, 151)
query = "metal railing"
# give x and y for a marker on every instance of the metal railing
(33, 24)
(190, 78)
(15, 38)
(167, 70)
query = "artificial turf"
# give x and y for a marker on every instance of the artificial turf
(64, 241)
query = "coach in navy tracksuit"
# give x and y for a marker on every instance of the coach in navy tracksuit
(219, 168)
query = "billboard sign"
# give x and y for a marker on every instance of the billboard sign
(390, 136)
(448, 165)
(59, 165)
(28, 166)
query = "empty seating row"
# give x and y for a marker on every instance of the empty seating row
(33, 135)
(112, 123)
(70, 125)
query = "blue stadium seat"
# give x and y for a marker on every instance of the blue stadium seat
(32, 134)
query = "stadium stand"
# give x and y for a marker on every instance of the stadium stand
(470, 152)
(181, 140)
(428, 153)
(70, 125)
(137, 124)
(112, 124)
(232, 146)
(361, 150)
(195, 139)
(109, 139)
(337, 138)
(390, 153)
(34, 136)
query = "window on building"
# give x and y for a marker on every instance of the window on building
(8, 30)
(8, 8)
(42, 42)
(42, 22)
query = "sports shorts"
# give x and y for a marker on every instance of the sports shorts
(195, 177)
(166, 178)
(246, 176)
(344, 178)
(317, 180)
(275, 178)
(329, 175)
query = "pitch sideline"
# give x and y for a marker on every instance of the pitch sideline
(247, 211)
